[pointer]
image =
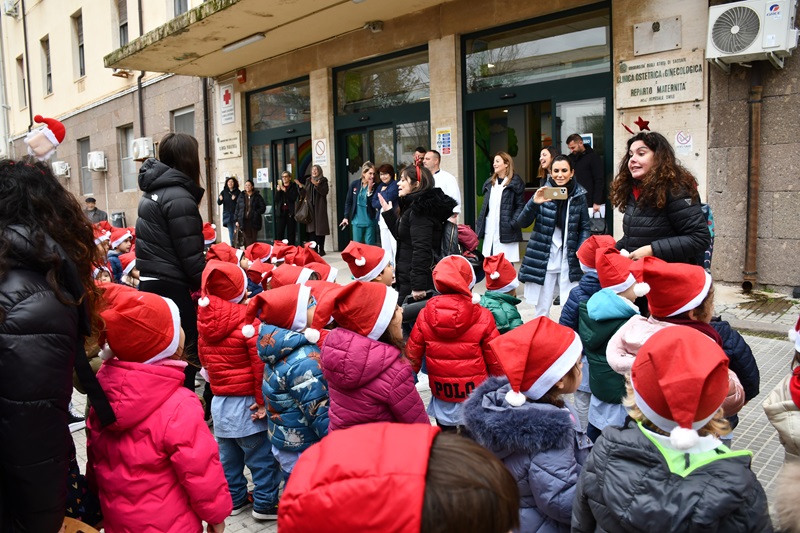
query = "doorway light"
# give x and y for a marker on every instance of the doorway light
(505, 110)
(243, 42)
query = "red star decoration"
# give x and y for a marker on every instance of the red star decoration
(643, 124)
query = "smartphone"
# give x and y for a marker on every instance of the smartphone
(555, 193)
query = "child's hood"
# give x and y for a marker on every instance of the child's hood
(450, 315)
(276, 343)
(503, 429)
(219, 318)
(608, 305)
(350, 360)
(503, 297)
(136, 390)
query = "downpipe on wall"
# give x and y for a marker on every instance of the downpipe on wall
(753, 179)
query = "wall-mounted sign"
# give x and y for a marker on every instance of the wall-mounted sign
(229, 145)
(683, 143)
(443, 139)
(666, 79)
(321, 152)
(227, 111)
(262, 176)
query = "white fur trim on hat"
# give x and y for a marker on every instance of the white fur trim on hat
(385, 316)
(375, 272)
(698, 299)
(641, 289)
(244, 289)
(664, 424)
(624, 253)
(122, 239)
(239, 254)
(792, 334)
(248, 331)
(515, 399)
(513, 285)
(586, 269)
(332, 274)
(305, 274)
(311, 335)
(312, 244)
(624, 286)
(300, 320)
(170, 350)
(127, 269)
(472, 270)
(106, 353)
(204, 301)
(557, 370)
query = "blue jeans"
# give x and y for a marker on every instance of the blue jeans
(255, 451)
(365, 234)
(231, 231)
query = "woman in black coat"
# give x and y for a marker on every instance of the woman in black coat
(663, 216)
(47, 308)
(169, 233)
(249, 208)
(418, 230)
(316, 188)
(503, 200)
(227, 199)
(286, 194)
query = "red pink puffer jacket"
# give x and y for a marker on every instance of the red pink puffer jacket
(453, 334)
(156, 468)
(368, 381)
(231, 360)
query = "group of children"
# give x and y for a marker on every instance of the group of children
(311, 378)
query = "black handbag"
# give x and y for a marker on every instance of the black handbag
(412, 308)
(597, 224)
(302, 211)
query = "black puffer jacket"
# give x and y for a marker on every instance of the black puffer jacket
(511, 203)
(38, 339)
(626, 485)
(678, 233)
(418, 231)
(169, 230)
(537, 253)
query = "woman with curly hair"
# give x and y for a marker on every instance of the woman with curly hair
(47, 308)
(659, 198)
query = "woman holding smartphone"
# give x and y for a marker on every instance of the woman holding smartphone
(550, 265)
(503, 198)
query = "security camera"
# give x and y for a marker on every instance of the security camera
(376, 26)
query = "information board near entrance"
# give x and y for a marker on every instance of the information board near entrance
(661, 79)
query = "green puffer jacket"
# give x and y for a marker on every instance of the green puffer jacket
(504, 310)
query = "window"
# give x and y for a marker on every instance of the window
(128, 170)
(181, 7)
(122, 10)
(77, 35)
(86, 174)
(22, 87)
(183, 120)
(48, 74)
(279, 106)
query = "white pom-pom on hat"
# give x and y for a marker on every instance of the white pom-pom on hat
(248, 331)
(641, 289)
(204, 301)
(285, 241)
(792, 334)
(495, 275)
(361, 261)
(476, 298)
(213, 226)
(683, 439)
(515, 399)
(312, 244)
(311, 335)
(106, 353)
(624, 253)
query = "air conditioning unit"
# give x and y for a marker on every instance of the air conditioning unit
(740, 32)
(142, 148)
(10, 8)
(61, 169)
(97, 162)
(121, 72)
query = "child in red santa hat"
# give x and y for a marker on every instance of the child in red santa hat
(369, 379)
(119, 243)
(453, 334)
(782, 405)
(369, 263)
(235, 373)
(130, 274)
(524, 420)
(209, 234)
(501, 292)
(293, 385)
(287, 274)
(157, 467)
(667, 470)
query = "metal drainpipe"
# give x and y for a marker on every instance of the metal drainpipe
(139, 78)
(27, 63)
(207, 138)
(753, 179)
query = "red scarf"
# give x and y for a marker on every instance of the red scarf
(794, 386)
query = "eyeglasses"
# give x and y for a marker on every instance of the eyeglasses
(311, 303)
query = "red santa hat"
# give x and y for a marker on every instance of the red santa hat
(535, 356)
(680, 379)
(614, 272)
(501, 276)
(258, 250)
(794, 335)
(587, 252)
(307, 254)
(140, 327)
(260, 272)
(128, 261)
(101, 268)
(324, 270)
(674, 287)
(285, 307)
(279, 251)
(366, 262)
(209, 233)
(133, 235)
(100, 234)
(455, 275)
(372, 461)
(362, 307)
(223, 280)
(104, 224)
(118, 236)
(289, 275)
(53, 130)
(224, 252)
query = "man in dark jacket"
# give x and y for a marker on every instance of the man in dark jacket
(92, 213)
(588, 171)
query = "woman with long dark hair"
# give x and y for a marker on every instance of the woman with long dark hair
(418, 230)
(546, 157)
(47, 308)
(169, 233)
(387, 188)
(227, 199)
(286, 194)
(659, 197)
(503, 199)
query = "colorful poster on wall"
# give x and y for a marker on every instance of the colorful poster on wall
(443, 138)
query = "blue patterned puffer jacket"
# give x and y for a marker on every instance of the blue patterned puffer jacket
(295, 393)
